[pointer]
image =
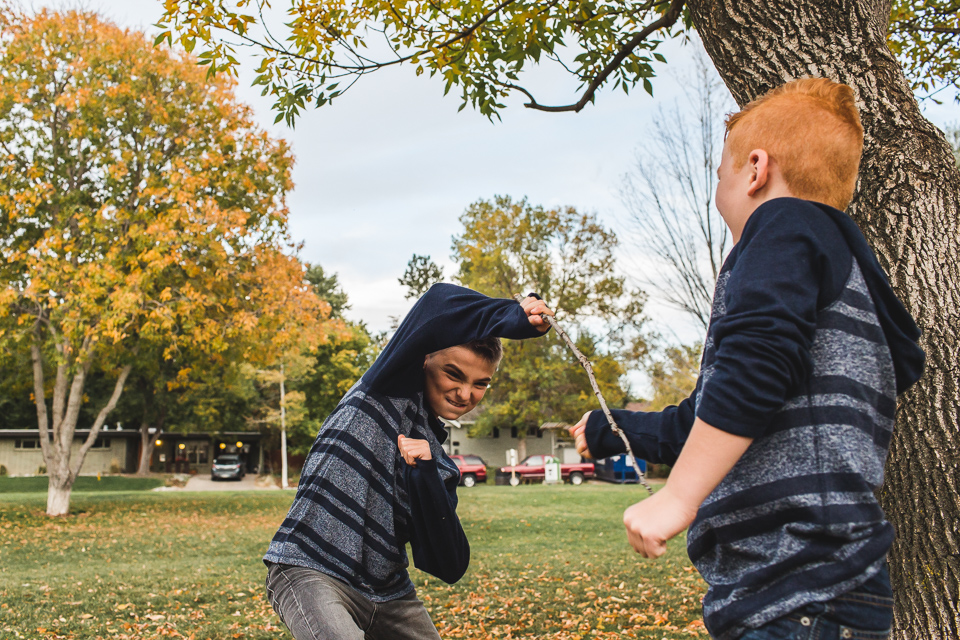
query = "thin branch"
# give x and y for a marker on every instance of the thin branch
(465, 33)
(665, 21)
(585, 363)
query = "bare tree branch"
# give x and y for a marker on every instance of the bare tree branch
(667, 20)
(585, 363)
(669, 200)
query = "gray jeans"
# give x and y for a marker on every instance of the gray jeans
(315, 606)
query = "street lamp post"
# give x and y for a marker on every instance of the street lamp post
(283, 434)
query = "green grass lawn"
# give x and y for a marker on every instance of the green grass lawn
(35, 484)
(547, 562)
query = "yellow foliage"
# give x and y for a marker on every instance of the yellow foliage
(142, 208)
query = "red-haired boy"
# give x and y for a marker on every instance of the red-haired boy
(778, 452)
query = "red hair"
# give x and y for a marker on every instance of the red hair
(812, 129)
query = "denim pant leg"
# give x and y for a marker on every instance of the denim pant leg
(853, 616)
(315, 606)
(402, 619)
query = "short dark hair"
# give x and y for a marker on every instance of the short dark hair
(490, 349)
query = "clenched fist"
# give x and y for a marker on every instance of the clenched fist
(413, 449)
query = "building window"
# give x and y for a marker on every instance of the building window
(496, 432)
(27, 444)
(513, 432)
(198, 453)
(539, 433)
(101, 443)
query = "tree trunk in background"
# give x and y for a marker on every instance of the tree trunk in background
(151, 420)
(147, 443)
(907, 204)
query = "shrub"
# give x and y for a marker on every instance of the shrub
(3, 470)
(177, 480)
(658, 471)
(42, 470)
(115, 467)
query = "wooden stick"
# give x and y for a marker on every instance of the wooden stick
(596, 391)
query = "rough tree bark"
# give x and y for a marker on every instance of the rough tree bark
(907, 204)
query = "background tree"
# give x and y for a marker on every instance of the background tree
(143, 213)
(668, 196)
(953, 137)
(673, 375)
(907, 201)
(335, 365)
(568, 258)
(421, 274)
(328, 289)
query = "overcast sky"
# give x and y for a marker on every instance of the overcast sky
(386, 170)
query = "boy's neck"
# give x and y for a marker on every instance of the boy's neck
(765, 183)
(737, 225)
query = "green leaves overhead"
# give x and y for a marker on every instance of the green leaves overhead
(321, 48)
(925, 36)
(317, 50)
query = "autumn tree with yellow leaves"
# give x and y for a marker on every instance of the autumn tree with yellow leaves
(142, 215)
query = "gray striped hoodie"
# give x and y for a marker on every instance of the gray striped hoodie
(806, 351)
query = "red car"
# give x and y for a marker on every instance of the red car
(532, 469)
(472, 469)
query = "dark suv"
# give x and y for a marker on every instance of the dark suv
(228, 467)
(472, 469)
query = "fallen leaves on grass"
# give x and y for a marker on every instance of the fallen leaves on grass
(159, 567)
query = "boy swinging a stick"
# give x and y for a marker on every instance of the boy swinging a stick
(377, 476)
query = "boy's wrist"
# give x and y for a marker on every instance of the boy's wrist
(680, 499)
(601, 440)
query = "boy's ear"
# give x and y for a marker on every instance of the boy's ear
(759, 162)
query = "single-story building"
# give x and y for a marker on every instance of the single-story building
(113, 451)
(493, 448)
(118, 451)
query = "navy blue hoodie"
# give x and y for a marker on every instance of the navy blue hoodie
(358, 502)
(806, 351)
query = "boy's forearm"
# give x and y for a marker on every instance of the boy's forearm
(656, 437)
(708, 455)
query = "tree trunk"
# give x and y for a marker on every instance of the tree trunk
(58, 494)
(147, 439)
(147, 443)
(907, 204)
(521, 447)
(56, 440)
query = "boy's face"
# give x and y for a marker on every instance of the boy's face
(732, 199)
(455, 380)
(741, 191)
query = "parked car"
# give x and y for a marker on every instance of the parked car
(472, 469)
(533, 469)
(227, 467)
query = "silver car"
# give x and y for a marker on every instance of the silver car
(227, 467)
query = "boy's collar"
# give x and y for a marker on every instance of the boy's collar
(437, 427)
(769, 205)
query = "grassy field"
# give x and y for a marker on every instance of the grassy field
(547, 562)
(34, 484)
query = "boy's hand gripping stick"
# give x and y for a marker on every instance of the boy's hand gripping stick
(596, 391)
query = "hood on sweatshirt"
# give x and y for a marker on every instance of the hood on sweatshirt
(898, 325)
